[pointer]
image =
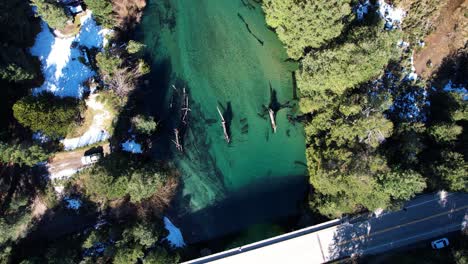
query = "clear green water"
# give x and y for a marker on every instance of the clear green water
(205, 46)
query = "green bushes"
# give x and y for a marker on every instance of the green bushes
(52, 13)
(46, 113)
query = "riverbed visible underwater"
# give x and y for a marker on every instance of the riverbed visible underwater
(223, 54)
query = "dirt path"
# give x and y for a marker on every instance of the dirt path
(100, 119)
(450, 35)
(65, 164)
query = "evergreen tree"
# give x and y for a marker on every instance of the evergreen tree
(362, 57)
(21, 154)
(47, 113)
(307, 23)
(102, 11)
(144, 124)
(52, 13)
(160, 255)
(453, 170)
(108, 64)
(16, 65)
(135, 47)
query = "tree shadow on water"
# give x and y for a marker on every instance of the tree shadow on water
(264, 200)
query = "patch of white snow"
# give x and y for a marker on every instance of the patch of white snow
(362, 9)
(96, 132)
(63, 174)
(402, 44)
(132, 146)
(175, 235)
(393, 16)
(412, 76)
(64, 74)
(72, 203)
(378, 212)
(450, 87)
(59, 189)
(40, 137)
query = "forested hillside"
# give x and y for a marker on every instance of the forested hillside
(38, 112)
(376, 134)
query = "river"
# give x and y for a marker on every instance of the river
(223, 54)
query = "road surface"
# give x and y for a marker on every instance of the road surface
(426, 217)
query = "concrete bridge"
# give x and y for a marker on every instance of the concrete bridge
(425, 217)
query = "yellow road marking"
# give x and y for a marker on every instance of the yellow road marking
(402, 225)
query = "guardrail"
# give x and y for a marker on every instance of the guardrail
(266, 242)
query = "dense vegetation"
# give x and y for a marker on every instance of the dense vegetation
(143, 185)
(47, 113)
(364, 149)
(307, 24)
(120, 175)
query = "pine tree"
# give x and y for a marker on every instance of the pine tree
(21, 154)
(46, 113)
(52, 13)
(307, 23)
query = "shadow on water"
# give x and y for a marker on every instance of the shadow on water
(246, 207)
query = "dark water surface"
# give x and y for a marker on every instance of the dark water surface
(224, 55)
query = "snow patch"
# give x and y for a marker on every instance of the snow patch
(96, 132)
(412, 76)
(132, 146)
(378, 212)
(92, 136)
(393, 16)
(40, 137)
(450, 87)
(64, 74)
(175, 235)
(72, 203)
(402, 44)
(362, 9)
(59, 189)
(63, 174)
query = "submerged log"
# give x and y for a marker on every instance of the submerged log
(176, 141)
(185, 106)
(223, 124)
(272, 119)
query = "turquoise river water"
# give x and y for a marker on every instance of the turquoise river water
(222, 52)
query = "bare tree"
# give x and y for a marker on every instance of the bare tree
(124, 81)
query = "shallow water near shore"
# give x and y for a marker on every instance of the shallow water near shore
(224, 55)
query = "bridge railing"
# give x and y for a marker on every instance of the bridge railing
(266, 242)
